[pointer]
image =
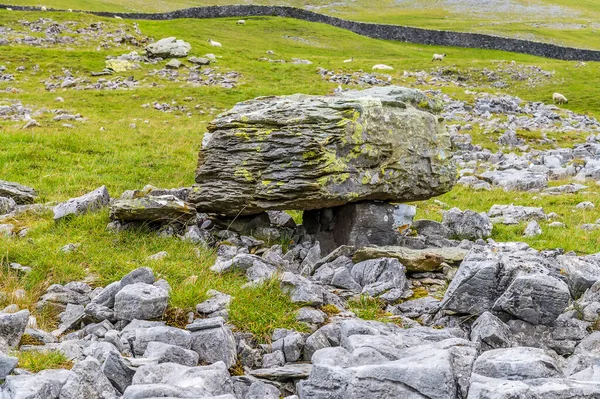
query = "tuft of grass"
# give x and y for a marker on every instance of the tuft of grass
(36, 361)
(367, 308)
(263, 308)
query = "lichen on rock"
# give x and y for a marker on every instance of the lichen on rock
(312, 152)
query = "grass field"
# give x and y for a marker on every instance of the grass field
(124, 145)
(555, 21)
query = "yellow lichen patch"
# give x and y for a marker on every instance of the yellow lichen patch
(245, 173)
(242, 135)
(266, 182)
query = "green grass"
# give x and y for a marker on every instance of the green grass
(162, 149)
(36, 361)
(572, 27)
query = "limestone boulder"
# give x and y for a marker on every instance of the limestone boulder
(19, 193)
(312, 152)
(168, 47)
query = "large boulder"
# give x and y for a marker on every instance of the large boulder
(313, 152)
(141, 301)
(169, 47)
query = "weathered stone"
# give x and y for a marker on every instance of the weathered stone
(140, 301)
(307, 152)
(199, 60)
(291, 345)
(169, 47)
(45, 384)
(533, 229)
(7, 205)
(20, 194)
(508, 278)
(165, 353)
(165, 208)
(513, 214)
(165, 334)
(260, 390)
(358, 224)
(376, 276)
(12, 327)
(86, 203)
(490, 332)
(7, 365)
(468, 224)
(415, 260)
(431, 228)
(284, 373)
(215, 344)
(87, 381)
(274, 359)
(117, 372)
(518, 363)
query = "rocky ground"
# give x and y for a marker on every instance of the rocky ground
(387, 302)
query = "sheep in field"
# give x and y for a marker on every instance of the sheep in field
(213, 43)
(438, 57)
(383, 67)
(559, 99)
(241, 22)
(43, 8)
(349, 60)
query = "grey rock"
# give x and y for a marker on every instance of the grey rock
(468, 224)
(117, 372)
(139, 275)
(415, 260)
(490, 332)
(510, 278)
(199, 60)
(169, 47)
(165, 208)
(533, 229)
(89, 202)
(546, 388)
(165, 334)
(281, 219)
(357, 120)
(379, 275)
(431, 228)
(215, 344)
(7, 365)
(513, 214)
(200, 381)
(87, 381)
(516, 180)
(7, 205)
(217, 302)
(291, 345)
(310, 315)
(358, 224)
(260, 390)
(12, 327)
(418, 307)
(174, 64)
(273, 359)
(140, 301)
(302, 290)
(284, 373)
(45, 384)
(165, 353)
(520, 363)
(22, 195)
(206, 324)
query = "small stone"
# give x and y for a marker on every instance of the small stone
(533, 229)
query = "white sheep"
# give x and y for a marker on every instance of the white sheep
(70, 10)
(559, 99)
(213, 43)
(43, 8)
(438, 57)
(241, 22)
(8, 9)
(117, 17)
(350, 60)
(383, 66)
